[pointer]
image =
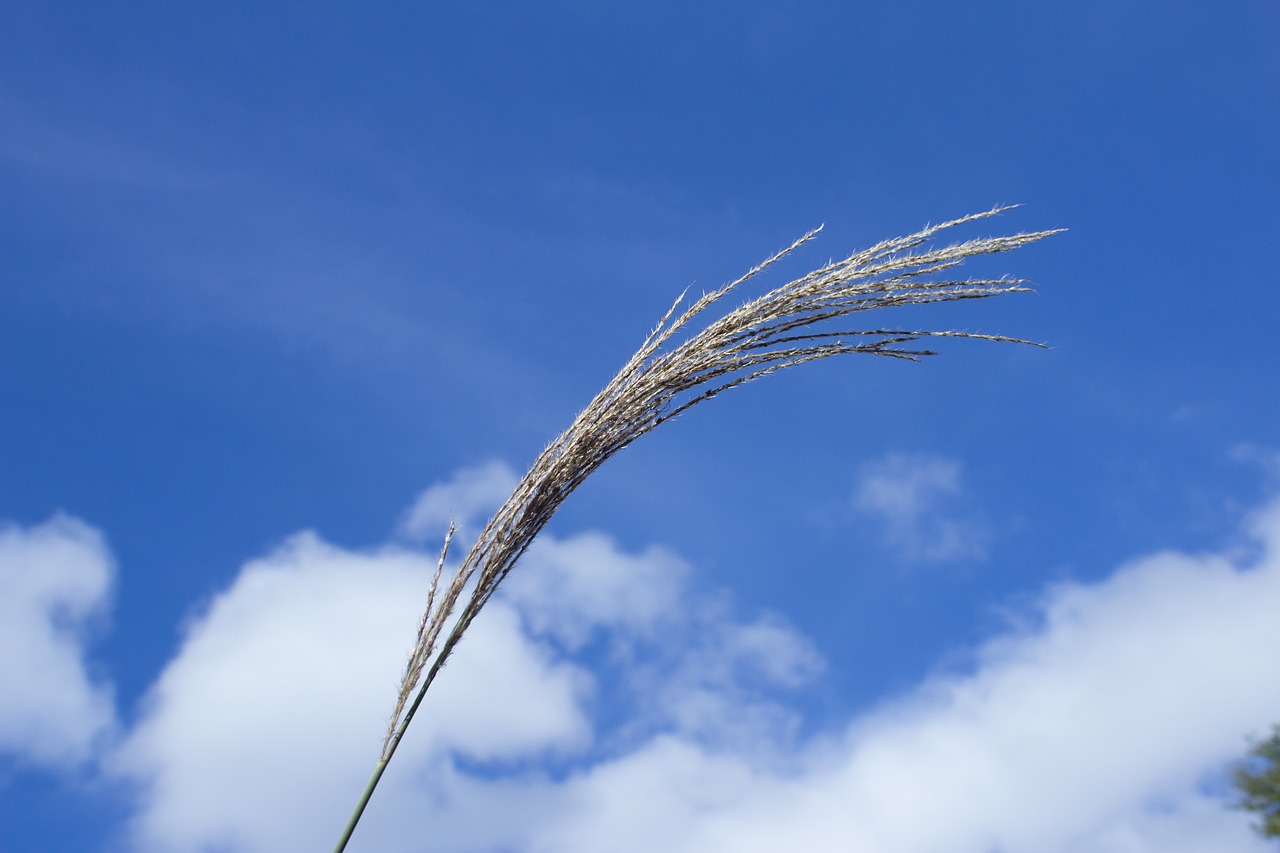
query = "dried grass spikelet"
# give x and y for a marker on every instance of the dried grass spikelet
(789, 325)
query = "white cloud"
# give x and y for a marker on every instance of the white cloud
(573, 587)
(685, 661)
(466, 499)
(259, 732)
(912, 494)
(601, 703)
(54, 581)
(1092, 731)
(262, 729)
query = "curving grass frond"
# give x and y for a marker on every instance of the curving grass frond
(675, 369)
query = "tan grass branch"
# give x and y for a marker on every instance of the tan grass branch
(667, 376)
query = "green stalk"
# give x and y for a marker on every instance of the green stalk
(386, 758)
(364, 801)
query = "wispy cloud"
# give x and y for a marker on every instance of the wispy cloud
(1265, 459)
(88, 153)
(916, 497)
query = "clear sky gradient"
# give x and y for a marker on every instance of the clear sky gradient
(283, 285)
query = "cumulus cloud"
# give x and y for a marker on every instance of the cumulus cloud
(466, 498)
(1093, 730)
(54, 581)
(572, 588)
(261, 731)
(603, 703)
(914, 495)
(258, 732)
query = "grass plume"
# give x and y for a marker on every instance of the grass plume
(672, 372)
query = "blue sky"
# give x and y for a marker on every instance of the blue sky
(282, 285)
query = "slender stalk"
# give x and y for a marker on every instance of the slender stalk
(364, 801)
(388, 750)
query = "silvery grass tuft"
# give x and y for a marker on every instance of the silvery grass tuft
(671, 373)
